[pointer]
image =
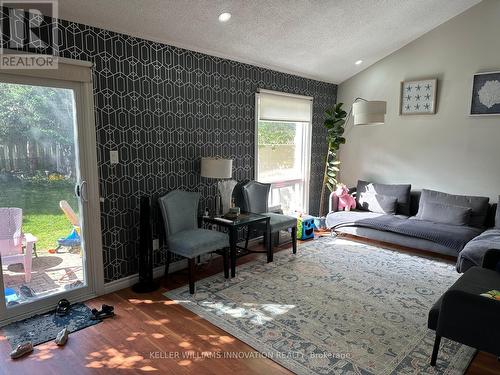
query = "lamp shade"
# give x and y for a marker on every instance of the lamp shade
(369, 112)
(216, 167)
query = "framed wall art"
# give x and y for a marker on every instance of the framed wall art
(418, 97)
(485, 94)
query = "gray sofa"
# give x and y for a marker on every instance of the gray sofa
(453, 225)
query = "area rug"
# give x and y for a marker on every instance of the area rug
(44, 327)
(337, 307)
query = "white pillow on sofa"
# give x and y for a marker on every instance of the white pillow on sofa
(382, 204)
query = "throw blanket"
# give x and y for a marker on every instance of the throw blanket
(452, 236)
(473, 253)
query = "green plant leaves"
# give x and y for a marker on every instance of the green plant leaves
(335, 120)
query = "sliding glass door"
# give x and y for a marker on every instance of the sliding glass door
(283, 149)
(44, 194)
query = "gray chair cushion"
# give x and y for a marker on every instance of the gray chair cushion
(194, 242)
(445, 213)
(179, 210)
(382, 204)
(473, 253)
(400, 192)
(478, 205)
(497, 216)
(277, 222)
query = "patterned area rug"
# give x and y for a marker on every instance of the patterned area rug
(338, 307)
(42, 328)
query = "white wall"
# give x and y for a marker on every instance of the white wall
(448, 151)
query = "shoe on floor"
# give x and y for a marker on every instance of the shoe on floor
(21, 350)
(62, 337)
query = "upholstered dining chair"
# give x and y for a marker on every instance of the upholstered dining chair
(180, 216)
(255, 197)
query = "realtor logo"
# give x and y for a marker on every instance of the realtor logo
(29, 34)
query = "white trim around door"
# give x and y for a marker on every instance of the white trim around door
(87, 154)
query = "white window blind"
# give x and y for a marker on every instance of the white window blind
(276, 107)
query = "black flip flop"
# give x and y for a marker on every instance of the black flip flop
(63, 307)
(26, 292)
(105, 312)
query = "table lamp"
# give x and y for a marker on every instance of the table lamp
(220, 169)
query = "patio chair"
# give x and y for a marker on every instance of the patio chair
(12, 240)
(73, 239)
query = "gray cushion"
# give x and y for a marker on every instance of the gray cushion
(277, 222)
(473, 252)
(400, 192)
(194, 242)
(398, 239)
(345, 218)
(497, 216)
(476, 281)
(382, 204)
(478, 205)
(445, 213)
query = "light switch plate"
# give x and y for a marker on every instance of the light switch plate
(156, 244)
(113, 157)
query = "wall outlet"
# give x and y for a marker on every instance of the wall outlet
(113, 157)
(156, 244)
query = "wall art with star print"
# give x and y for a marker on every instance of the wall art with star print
(418, 97)
(485, 94)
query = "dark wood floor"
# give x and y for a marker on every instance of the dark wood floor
(147, 330)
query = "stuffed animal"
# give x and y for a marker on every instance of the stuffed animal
(346, 201)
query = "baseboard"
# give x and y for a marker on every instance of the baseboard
(128, 281)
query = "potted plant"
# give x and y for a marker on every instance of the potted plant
(334, 123)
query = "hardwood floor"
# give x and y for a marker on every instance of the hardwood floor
(152, 334)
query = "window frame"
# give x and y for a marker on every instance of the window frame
(306, 157)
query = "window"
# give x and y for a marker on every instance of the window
(283, 148)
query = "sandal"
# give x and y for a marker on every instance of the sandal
(26, 292)
(74, 285)
(63, 307)
(21, 350)
(62, 337)
(107, 311)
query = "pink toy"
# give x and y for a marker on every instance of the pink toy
(346, 201)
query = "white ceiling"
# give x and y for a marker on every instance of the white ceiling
(318, 39)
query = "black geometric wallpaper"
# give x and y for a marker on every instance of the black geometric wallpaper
(163, 108)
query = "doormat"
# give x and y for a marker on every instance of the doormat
(45, 327)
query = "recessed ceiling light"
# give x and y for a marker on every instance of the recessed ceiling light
(224, 17)
(359, 62)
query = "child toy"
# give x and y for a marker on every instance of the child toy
(346, 201)
(305, 227)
